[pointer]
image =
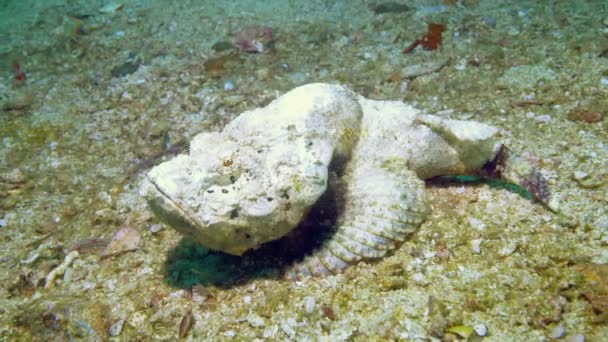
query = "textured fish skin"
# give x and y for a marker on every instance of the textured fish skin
(384, 200)
(374, 222)
(255, 181)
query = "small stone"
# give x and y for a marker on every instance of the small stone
(105, 215)
(480, 329)
(111, 7)
(420, 278)
(601, 223)
(477, 223)
(255, 321)
(2, 223)
(509, 249)
(558, 331)
(271, 332)
(543, 118)
(476, 245)
(580, 175)
(287, 329)
(575, 338)
(155, 228)
(228, 86)
(116, 328)
(309, 305)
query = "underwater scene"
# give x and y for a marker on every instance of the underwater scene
(321, 170)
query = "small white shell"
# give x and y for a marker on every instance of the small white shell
(111, 7)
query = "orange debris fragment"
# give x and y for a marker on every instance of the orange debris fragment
(20, 76)
(430, 41)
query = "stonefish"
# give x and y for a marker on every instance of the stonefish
(258, 178)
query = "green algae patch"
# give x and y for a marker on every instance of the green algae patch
(492, 183)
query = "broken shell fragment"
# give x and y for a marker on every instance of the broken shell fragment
(124, 240)
(111, 7)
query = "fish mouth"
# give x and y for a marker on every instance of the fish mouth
(179, 217)
(170, 211)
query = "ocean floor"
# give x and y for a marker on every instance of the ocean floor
(95, 93)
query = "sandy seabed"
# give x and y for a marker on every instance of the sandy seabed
(93, 94)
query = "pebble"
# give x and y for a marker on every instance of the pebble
(480, 329)
(287, 329)
(543, 118)
(2, 223)
(230, 333)
(271, 331)
(255, 321)
(116, 328)
(155, 228)
(420, 278)
(508, 249)
(228, 86)
(601, 223)
(477, 223)
(558, 331)
(576, 338)
(309, 305)
(111, 7)
(580, 175)
(476, 245)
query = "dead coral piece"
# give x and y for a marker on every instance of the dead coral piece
(59, 270)
(124, 240)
